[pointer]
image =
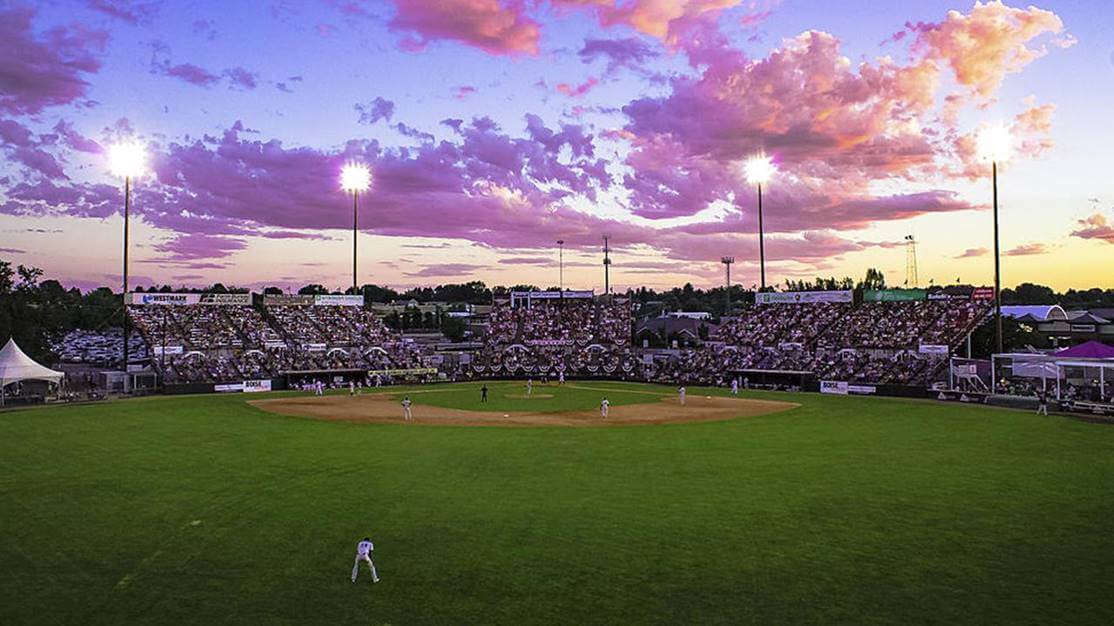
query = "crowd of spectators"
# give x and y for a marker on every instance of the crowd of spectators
(101, 348)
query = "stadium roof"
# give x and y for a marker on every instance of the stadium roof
(1038, 312)
(15, 366)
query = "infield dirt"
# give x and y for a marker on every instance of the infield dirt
(385, 409)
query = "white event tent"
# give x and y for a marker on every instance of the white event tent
(16, 366)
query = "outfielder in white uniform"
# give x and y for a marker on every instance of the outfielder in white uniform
(406, 415)
(603, 407)
(529, 387)
(681, 392)
(363, 553)
(734, 386)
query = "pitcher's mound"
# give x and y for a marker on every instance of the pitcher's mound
(382, 408)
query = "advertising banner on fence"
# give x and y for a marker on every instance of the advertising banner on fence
(226, 299)
(930, 348)
(982, 293)
(284, 300)
(413, 371)
(862, 390)
(167, 350)
(257, 386)
(894, 295)
(229, 388)
(802, 297)
(833, 386)
(163, 299)
(549, 342)
(338, 300)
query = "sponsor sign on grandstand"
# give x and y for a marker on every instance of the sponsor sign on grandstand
(549, 342)
(549, 295)
(285, 300)
(226, 299)
(256, 386)
(413, 371)
(894, 295)
(163, 299)
(1082, 328)
(315, 347)
(931, 348)
(229, 388)
(274, 343)
(326, 300)
(952, 293)
(982, 293)
(167, 350)
(802, 297)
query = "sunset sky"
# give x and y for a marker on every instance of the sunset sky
(495, 127)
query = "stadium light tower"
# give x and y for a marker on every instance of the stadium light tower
(561, 266)
(995, 145)
(727, 261)
(759, 169)
(606, 268)
(126, 160)
(355, 178)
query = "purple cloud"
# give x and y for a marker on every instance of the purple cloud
(36, 73)
(375, 110)
(124, 10)
(619, 53)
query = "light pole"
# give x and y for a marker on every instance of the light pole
(561, 266)
(994, 144)
(727, 261)
(354, 178)
(759, 168)
(606, 269)
(126, 160)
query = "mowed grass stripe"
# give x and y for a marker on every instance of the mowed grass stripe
(845, 509)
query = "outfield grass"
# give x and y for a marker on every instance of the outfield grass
(205, 510)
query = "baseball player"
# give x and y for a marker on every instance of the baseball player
(363, 553)
(529, 387)
(483, 393)
(734, 386)
(681, 393)
(406, 415)
(603, 407)
(561, 377)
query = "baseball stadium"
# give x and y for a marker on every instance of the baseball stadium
(548, 312)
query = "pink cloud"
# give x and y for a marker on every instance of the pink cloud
(490, 25)
(663, 19)
(463, 91)
(447, 269)
(970, 253)
(1028, 249)
(577, 91)
(982, 46)
(1095, 226)
(39, 72)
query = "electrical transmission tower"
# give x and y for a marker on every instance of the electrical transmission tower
(911, 262)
